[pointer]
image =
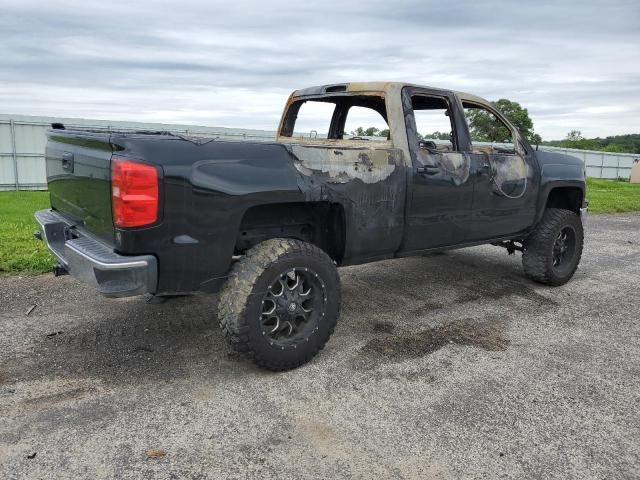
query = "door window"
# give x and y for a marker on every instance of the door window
(434, 128)
(434, 141)
(488, 134)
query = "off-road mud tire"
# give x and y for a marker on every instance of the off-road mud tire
(538, 255)
(240, 301)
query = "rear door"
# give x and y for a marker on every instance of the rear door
(78, 174)
(441, 189)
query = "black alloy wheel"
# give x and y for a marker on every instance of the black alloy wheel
(564, 247)
(293, 306)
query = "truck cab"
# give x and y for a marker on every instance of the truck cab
(436, 194)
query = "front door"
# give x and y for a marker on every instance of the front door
(503, 168)
(440, 185)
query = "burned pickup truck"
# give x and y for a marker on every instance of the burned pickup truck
(267, 224)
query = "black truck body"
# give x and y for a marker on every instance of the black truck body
(358, 200)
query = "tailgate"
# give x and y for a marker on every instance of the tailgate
(78, 174)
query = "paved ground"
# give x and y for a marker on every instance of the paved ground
(448, 366)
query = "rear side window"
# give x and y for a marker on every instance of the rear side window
(314, 119)
(337, 117)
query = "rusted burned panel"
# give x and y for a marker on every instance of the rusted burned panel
(341, 165)
(453, 165)
(368, 86)
(509, 171)
(370, 184)
(509, 175)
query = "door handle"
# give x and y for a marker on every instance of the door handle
(428, 170)
(67, 161)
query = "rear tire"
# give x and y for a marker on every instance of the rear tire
(552, 251)
(281, 303)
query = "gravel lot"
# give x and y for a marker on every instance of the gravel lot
(446, 366)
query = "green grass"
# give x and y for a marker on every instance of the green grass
(612, 196)
(19, 251)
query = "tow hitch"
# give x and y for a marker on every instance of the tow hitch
(59, 270)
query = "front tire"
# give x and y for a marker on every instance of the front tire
(281, 303)
(552, 252)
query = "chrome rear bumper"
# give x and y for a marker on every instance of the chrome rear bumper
(91, 261)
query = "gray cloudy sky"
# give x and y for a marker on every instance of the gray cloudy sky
(574, 65)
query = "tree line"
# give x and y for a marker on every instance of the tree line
(629, 143)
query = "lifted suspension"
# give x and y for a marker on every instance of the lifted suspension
(510, 245)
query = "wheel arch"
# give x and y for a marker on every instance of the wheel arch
(567, 195)
(567, 198)
(319, 223)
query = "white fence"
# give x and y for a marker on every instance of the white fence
(601, 164)
(22, 144)
(23, 139)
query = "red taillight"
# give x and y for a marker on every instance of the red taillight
(134, 193)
